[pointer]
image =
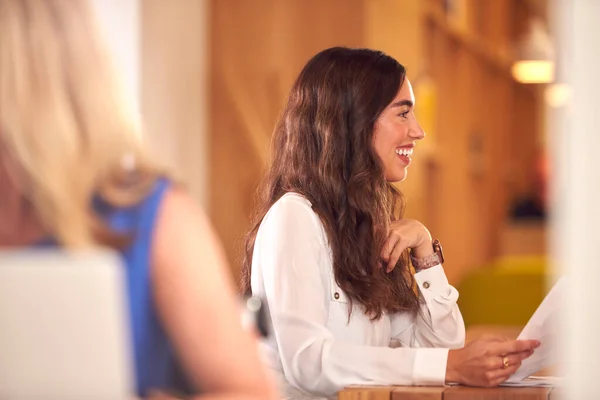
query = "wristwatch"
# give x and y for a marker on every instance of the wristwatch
(430, 261)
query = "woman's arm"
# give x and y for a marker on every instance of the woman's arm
(197, 306)
(292, 254)
(439, 322)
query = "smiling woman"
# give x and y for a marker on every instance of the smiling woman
(330, 251)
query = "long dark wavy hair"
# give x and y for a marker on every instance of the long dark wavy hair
(322, 149)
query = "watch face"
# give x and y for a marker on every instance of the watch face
(437, 247)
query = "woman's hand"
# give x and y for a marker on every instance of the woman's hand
(482, 362)
(406, 234)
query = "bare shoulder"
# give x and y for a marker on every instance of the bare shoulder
(183, 234)
(178, 210)
(186, 253)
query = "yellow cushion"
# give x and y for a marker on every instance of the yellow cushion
(504, 293)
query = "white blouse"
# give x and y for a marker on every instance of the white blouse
(314, 350)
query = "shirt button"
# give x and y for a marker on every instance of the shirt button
(426, 285)
(336, 295)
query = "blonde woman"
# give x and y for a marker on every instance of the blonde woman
(73, 174)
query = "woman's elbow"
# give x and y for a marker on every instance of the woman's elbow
(460, 332)
(310, 382)
(455, 338)
(457, 343)
(310, 376)
(447, 337)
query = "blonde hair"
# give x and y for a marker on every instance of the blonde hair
(64, 119)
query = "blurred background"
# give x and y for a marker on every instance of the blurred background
(211, 76)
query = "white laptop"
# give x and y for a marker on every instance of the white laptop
(64, 330)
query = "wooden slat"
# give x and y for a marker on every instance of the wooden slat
(418, 393)
(499, 393)
(366, 393)
(257, 49)
(449, 393)
(257, 132)
(495, 58)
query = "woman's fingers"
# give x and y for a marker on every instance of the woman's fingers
(401, 245)
(402, 234)
(498, 374)
(503, 371)
(492, 360)
(511, 359)
(514, 346)
(516, 358)
(506, 371)
(388, 247)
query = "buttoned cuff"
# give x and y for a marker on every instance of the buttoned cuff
(430, 367)
(433, 282)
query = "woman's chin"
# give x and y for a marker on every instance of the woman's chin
(396, 176)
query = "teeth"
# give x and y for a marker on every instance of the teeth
(404, 152)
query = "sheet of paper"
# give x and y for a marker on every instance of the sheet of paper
(535, 381)
(542, 326)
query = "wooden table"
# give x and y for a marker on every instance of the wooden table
(449, 393)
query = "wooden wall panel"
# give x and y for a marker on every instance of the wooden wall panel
(455, 229)
(494, 120)
(395, 27)
(485, 125)
(173, 88)
(487, 128)
(258, 48)
(525, 127)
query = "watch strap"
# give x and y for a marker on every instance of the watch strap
(426, 262)
(431, 260)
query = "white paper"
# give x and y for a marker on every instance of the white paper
(535, 381)
(542, 326)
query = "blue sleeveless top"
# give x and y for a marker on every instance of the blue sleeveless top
(156, 366)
